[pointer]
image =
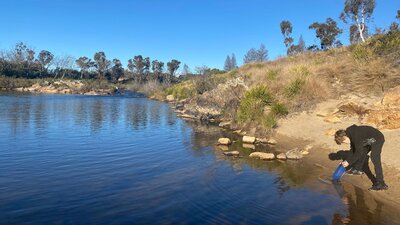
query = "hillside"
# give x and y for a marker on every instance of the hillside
(253, 97)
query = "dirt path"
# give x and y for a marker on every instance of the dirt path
(311, 127)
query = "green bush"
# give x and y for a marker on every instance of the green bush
(295, 86)
(272, 74)
(11, 82)
(279, 109)
(181, 91)
(361, 53)
(253, 103)
(269, 121)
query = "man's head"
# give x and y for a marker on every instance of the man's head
(341, 137)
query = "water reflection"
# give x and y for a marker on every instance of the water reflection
(128, 160)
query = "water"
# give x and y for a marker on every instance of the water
(130, 160)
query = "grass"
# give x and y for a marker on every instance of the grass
(181, 91)
(9, 83)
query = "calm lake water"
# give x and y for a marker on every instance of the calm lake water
(130, 160)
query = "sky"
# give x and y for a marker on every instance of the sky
(195, 32)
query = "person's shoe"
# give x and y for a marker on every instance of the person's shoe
(378, 187)
(355, 172)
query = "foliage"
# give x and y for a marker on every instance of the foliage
(10, 83)
(294, 87)
(286, 29)
(279, 109)
(181, 91)
(253, 103)
(361, 53)
(272, 74)
(360, 12)
(256, 55)
(327, 32)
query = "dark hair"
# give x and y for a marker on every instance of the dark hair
(339, 136)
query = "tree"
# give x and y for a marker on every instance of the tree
(146, 68)
(101, 64)
(359, 12)
(172, 66)
(84, 63)
(116, 70)
(228, 63)
(62, 64)
(44, 60)
(233, 61)
(186, 70)
(138, 65)
(301, 44)
(286, 29)
(395, 26)
(158, 68)
(254, 55)
(326, 32)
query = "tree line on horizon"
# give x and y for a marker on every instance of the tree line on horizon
(356, 14)
(22, 62)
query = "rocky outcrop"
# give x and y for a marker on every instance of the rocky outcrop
(262, 155)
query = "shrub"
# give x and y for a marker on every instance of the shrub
(181, 91)
(270, 121)
(295, 86)
(272, 74)
(301, 70)
(279, 109)
(361, 53)
(253, 103)
(11, 82)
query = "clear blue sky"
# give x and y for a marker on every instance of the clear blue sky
(196, 32)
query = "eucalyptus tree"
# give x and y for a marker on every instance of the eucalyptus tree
(101, 63)
(117, 70)
(44, 59)
(157, 67)
(359, 12)
(172, 67)
(137, 65)
(327, 32)
(84, 63)
(286, 30)
(62, 64)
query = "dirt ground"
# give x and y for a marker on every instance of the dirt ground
(311, 128)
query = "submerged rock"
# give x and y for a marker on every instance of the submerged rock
(226, 124)
(224, 141)
(262, 155)
(294, 154)
(249, 146)
(249, 139)
(231, 153)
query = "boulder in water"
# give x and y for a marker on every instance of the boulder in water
(224, 141)
(262, 155)
(249, 139)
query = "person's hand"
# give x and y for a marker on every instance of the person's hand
(345, 164)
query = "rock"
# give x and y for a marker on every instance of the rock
(351, 109)
(272, 141)
(281, 156)
(262, 155)
(249, 139)
(384, 119)
(231, 153)
(391, 99)
(170, 98)
(187, 116)
(226, 124)
(224, 141)
(330, 132)
(325, 112)
(237, 131)
(249, 146)
(294, 154)
(332, 119)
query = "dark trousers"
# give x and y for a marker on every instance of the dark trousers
(362, 163)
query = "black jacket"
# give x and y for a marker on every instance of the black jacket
(361, 137)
